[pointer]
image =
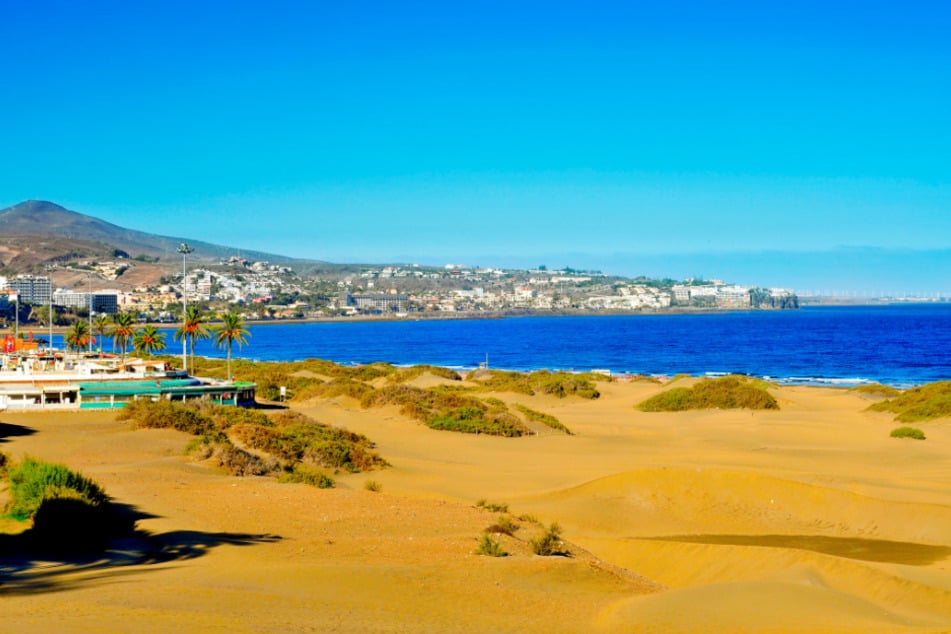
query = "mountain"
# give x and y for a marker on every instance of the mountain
(40, 218)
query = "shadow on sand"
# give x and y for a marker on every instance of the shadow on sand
(879, 550)
(32, 565)
(9, 430)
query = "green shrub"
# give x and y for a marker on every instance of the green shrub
(306, 474)
(549, 543)
(908, 432)
(490, 547)
(729, 392)
(925, 402)
(32, 482)
(543, 418)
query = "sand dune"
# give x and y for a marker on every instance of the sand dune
(807, 519)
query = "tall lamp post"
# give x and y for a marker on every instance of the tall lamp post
(89, 336)
(184, 249)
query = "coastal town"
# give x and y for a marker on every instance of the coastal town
(260, 290)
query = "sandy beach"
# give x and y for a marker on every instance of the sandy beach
(806, 519)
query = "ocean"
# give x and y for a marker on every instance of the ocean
(900, 345)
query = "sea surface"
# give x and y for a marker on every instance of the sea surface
(899, 345)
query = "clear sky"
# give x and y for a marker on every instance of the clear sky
(805, 145)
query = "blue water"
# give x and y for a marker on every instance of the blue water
(898, 345)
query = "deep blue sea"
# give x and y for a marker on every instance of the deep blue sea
(899, 345)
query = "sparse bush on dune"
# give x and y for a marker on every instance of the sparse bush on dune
(308, 474)
(502, 381)
(560, 384)
(403, 375)
(490, 547)
(908, 432)
(243, 463)
(730, 392)
(373, 486)
(494, 507)
(549, 543)
(926, 402)
(268, 443)
(877, 389)
(331, 389)
(541, 417)
(449, 408)
(504, 525)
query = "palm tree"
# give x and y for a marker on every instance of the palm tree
(77, 337)
(100, 326)
(194, 328)
(230, 332)
(148, 339)
(122, 331)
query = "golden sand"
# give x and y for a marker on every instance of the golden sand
(806, 519)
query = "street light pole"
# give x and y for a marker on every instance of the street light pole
(184, 249)
(89, 335)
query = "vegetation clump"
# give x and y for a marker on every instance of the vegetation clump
(33, 482)
(908, 432)
(504, 526)
(549, 543)
(307, 474)
(877, 389)
(729, 392)
(560, 384)
(543, 418)
(70, 512)
(249, 442)
(373, 486)
(925, 402)
(494, 507)
(403, 375)
(490, 547)
(447, 408)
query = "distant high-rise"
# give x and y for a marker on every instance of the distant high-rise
(31, 289)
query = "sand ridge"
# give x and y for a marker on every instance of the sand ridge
(807, 519)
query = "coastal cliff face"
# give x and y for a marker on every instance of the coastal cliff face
(763, 299)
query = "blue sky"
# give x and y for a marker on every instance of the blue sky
(804, 146)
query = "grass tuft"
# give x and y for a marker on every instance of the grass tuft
(373, 486)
